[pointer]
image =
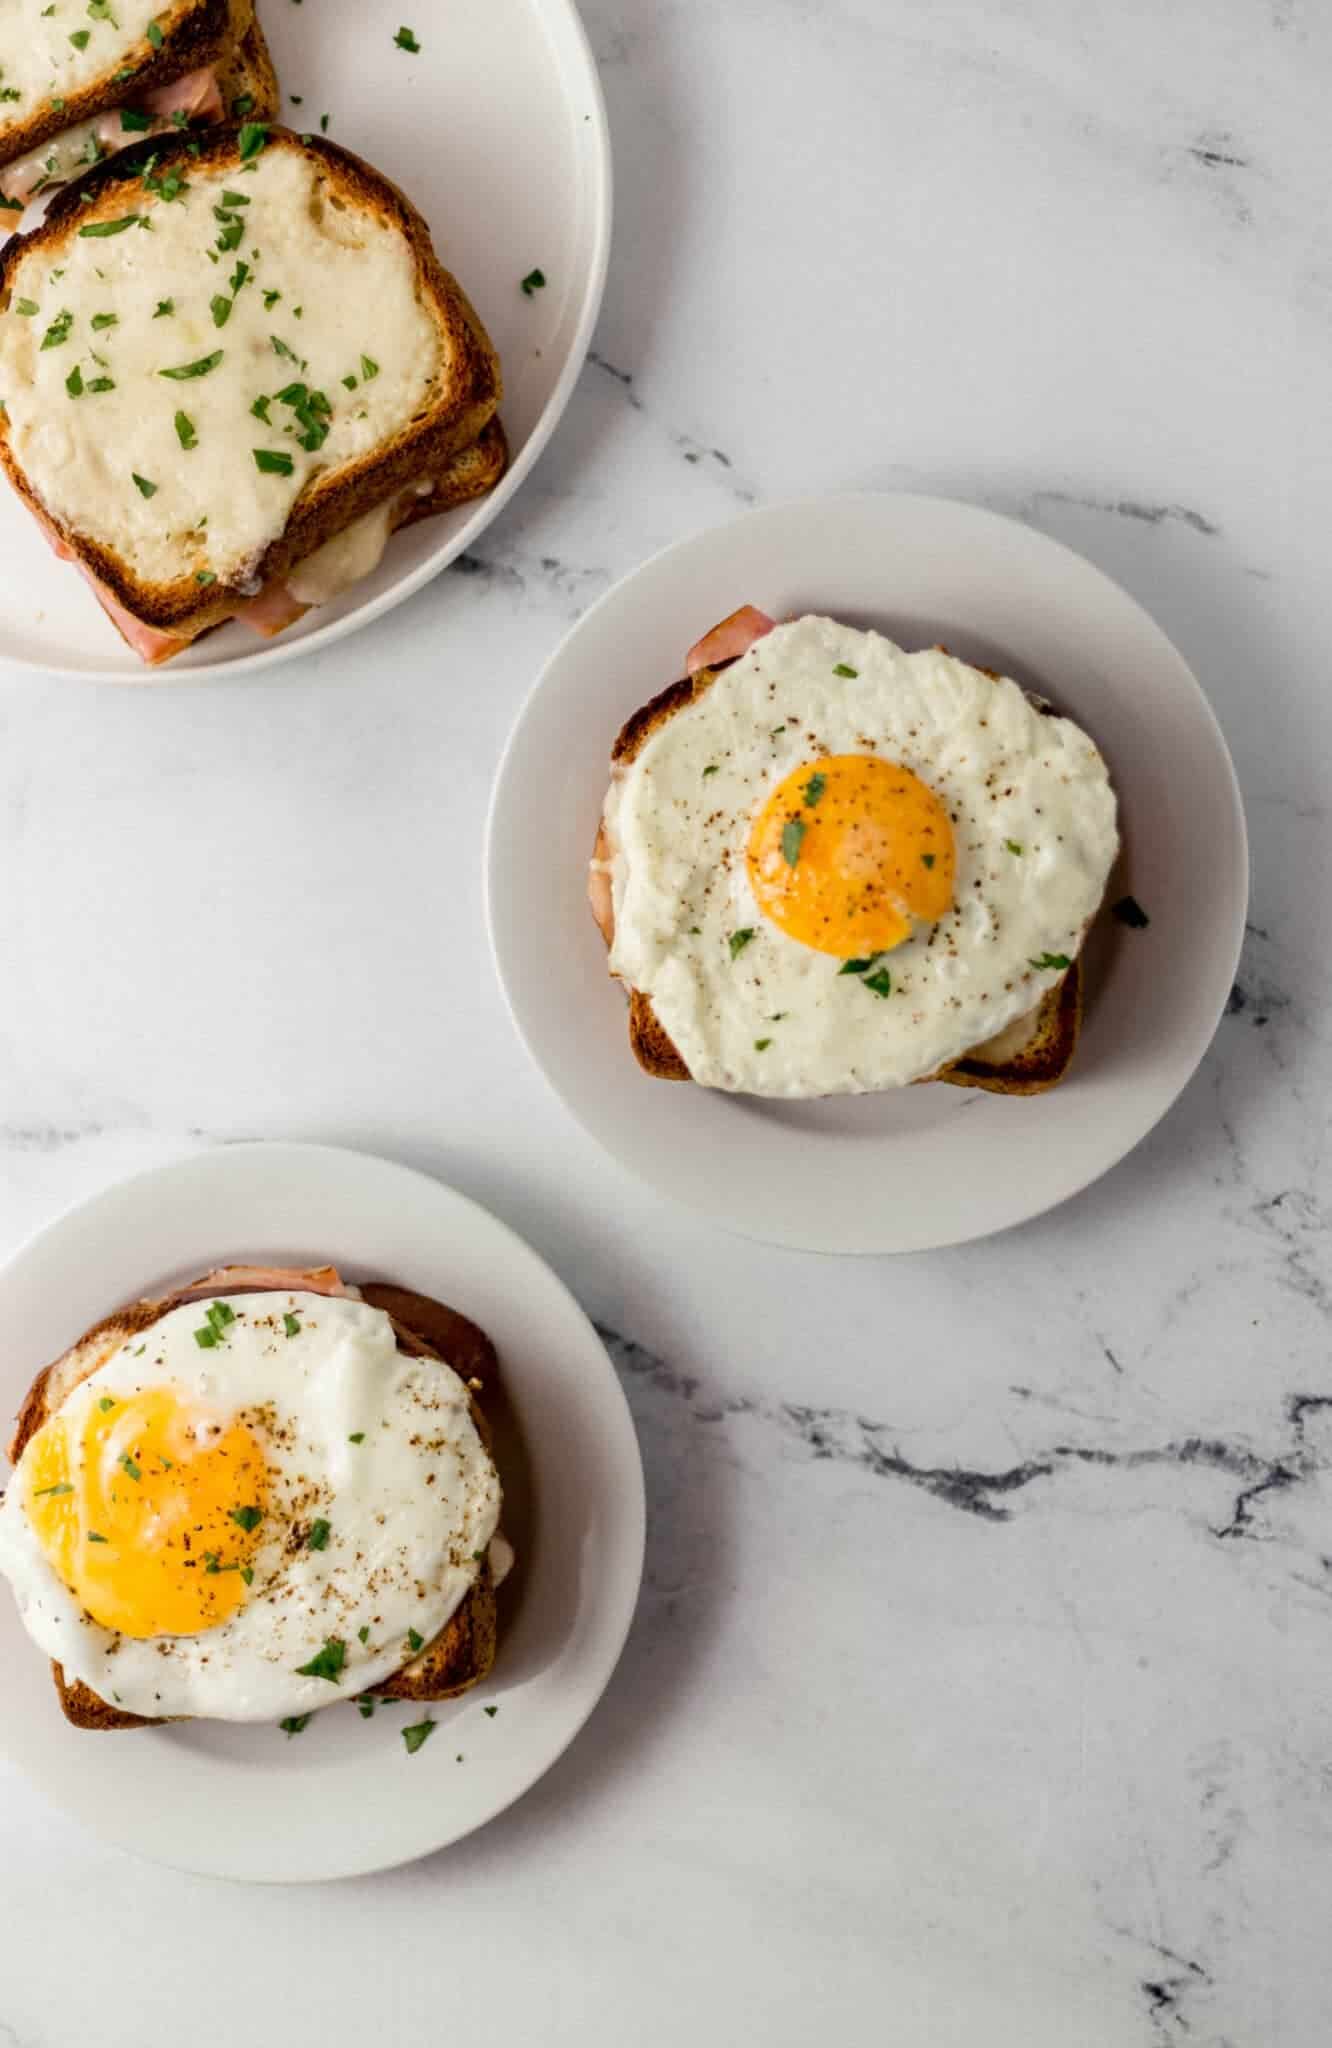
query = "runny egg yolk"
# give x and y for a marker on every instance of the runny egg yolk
(849, 853)
(149, 1511)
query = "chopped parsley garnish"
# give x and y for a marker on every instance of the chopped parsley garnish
(1013, 845)
(80, 37)
(106, 1402)
(363, 1634)
(881, 983)
(291, 1324)
(762, 1044)
(238, 276)
(844, 668)
(739, 940)
(365, 1707)
(185, 432)
(205, 1338)
(260, 410)
(132, 122)
(270, 300)
(273, 461)
(100, 320)
(814, 788)
(101, 383)
(204, 576)
(220, 1313)
(326, 1663)
(57, 106)
(233, 227)
(711, 769)
(142, 485)
(247, 1518)
(323, 124)
(294, 1723)
(1050, 961)
(369, 369)
(220, 308)
(168, 184)
(110, 227)
(1128, 910)
(129, 1468)
(280, 348)
(320, 1530)
(251, 140)
(415, 1641)
(10, 205)
(95, 1536)
(860, 966)
(405, 40)
(776, 732)
(58, 331)
(533, 282)
(357, 1437)
(793, 831)
(27, 307)
(63, 1487)
(416, 1735)
(154, 35)
(927, 860)
(247, 1573)
(235, 199)
(182, 371)
(74, 382)
(491, 1711)
(242, 105)
(164, 307)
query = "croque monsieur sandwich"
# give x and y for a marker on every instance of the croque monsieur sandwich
(80, 79)
(256, 1496)
(231, 367)
(826, 866)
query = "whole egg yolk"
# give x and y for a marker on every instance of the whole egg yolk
(849, 853)
(149, 1511)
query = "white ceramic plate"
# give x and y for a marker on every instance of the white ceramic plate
(918, 1167)
(344, 1797)
(497, 131)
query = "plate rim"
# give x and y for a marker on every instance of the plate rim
(1073, 1183)
(626, 1582)
(278, 653)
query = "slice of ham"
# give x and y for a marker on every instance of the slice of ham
(268, 1280)
(271, 611)
(728, 641)
(197, 96)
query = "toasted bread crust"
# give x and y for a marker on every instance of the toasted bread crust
(332, 500)
(1040, 1063)
(249, 72)
(464, 1650)
(195, 33)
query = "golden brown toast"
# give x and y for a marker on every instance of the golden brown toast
(247, 80)
(1029, 1056)
(444, 441)
(192, 34)
(464, 1650)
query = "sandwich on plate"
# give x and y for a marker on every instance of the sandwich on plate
(80, 79)
(826, 866)
(231, 366)
(257, 1496)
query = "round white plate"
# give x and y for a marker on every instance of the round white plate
(917, 1167)
(344, 1797)
(497, 131)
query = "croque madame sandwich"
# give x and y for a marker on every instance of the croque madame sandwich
(256, 1496)
(826, 866)
(80, 79)
(231, 367)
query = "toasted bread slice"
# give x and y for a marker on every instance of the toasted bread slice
(56, 84)
(248, 81)
(1027, 1057)
(464, 1650)
(336, 369)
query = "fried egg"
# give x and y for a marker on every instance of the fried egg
(253, 1508)
(843, 866)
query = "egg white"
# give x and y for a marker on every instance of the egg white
(412, 1508)
(778, 1018)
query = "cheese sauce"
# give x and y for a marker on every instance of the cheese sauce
(40, 62)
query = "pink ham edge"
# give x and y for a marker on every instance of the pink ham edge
(197, 95)
(274, 609)
(267, 1280)
(728, 641)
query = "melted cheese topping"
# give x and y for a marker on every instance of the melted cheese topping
(278, 296)
(38, 61)
(199, 1521)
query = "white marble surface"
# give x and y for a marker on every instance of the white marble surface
(980, 1686)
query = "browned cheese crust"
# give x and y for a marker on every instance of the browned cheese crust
(470, 384)
(195, 33)
(464, 1650)
(1040, 1062)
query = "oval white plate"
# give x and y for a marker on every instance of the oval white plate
(497, 131)
(344, 1797)
(919, 1167)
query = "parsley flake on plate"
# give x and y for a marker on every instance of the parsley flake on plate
(534, 282)
(1130, 912)
(405, 40)
(294, 1723)
(419, 1732)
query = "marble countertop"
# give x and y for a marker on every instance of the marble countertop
(979, 1689)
